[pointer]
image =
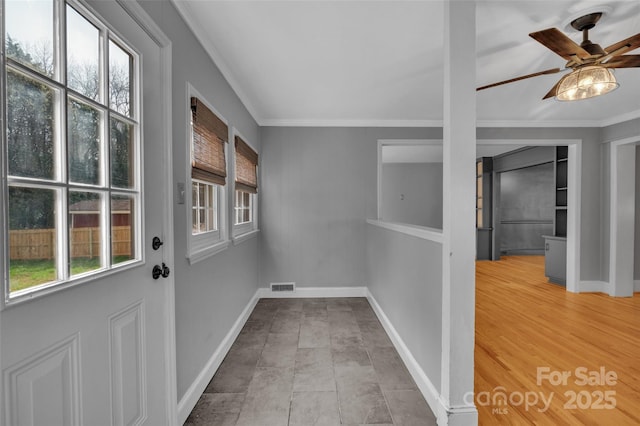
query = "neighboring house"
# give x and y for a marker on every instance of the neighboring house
(86, 214)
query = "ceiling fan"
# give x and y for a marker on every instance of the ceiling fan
(590, 64)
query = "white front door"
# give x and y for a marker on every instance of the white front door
(100, 352)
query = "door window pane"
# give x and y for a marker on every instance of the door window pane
(120, 64)
(85, 231)
(32, 237)
(29, 34)
(122, 152)
(84, 143)
(122, 231)
(83, 61)
(31, 130)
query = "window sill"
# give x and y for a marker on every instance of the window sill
(246, 236)
(199, 255)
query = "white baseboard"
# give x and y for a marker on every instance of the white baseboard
(636, 286)
(304, 292)
(593, 287)
(192, 395)
(445, 415)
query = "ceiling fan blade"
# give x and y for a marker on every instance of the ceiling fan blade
(625, 61)
(633, 42)
(557, 41)
(511, 80)
(551, 93)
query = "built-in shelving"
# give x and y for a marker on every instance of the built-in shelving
(484, 170)
(562, 176)
(556, 245)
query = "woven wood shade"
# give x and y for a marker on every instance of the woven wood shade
(209, 137)
(246, 164)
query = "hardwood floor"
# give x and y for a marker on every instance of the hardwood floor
(525, 325)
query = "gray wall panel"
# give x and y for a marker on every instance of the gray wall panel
(412, 193)
(319, 185)
(526, 208)
(405, 277)
(636, 249)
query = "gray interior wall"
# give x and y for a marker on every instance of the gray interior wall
(318, 187)
(625, 130)
(636, 250)
(211, 294)
(526, 208)
(405, 277)
(412, 193)
(591, 266)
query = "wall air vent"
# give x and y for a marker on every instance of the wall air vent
(283, 287)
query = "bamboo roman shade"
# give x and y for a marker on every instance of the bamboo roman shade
(209, 137)
(246, 167)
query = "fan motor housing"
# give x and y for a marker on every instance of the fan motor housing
(586, 22)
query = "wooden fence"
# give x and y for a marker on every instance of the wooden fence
(32, 244)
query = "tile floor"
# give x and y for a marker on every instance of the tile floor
(321, 362)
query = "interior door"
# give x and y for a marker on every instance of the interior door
(100, 353)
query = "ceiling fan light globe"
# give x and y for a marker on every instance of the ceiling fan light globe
(586, 82)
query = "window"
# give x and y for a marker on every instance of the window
(205, 217)
(246, 187)
(243, 208)
(209, 135)
(72, 141)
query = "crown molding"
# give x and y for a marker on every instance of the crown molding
(184, 9)
(348, 123)
(621, 118)
(537, 123)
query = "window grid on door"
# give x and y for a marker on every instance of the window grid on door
(71, 136)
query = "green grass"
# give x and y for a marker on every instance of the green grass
(30, 273)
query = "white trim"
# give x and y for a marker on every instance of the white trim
(636, 286)
(246, 236)
(426, 386)
(306, 292)
(620, 119)
(196, 256)
(594, 287)
(184, 9)
(295, 122)
(538, 123)
(191, 396)
(302, 122)
(417, 231)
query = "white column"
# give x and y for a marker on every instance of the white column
(623, 172)
(458, 257)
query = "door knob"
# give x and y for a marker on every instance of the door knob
(156, 243)
(158, 271)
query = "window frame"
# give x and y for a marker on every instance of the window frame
(203, 245)
(246, 230)
(61, 183)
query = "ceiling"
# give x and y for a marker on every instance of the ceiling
(380, 63)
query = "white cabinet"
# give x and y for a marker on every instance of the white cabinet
(555, 259)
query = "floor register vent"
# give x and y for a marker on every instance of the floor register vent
(283, 287)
